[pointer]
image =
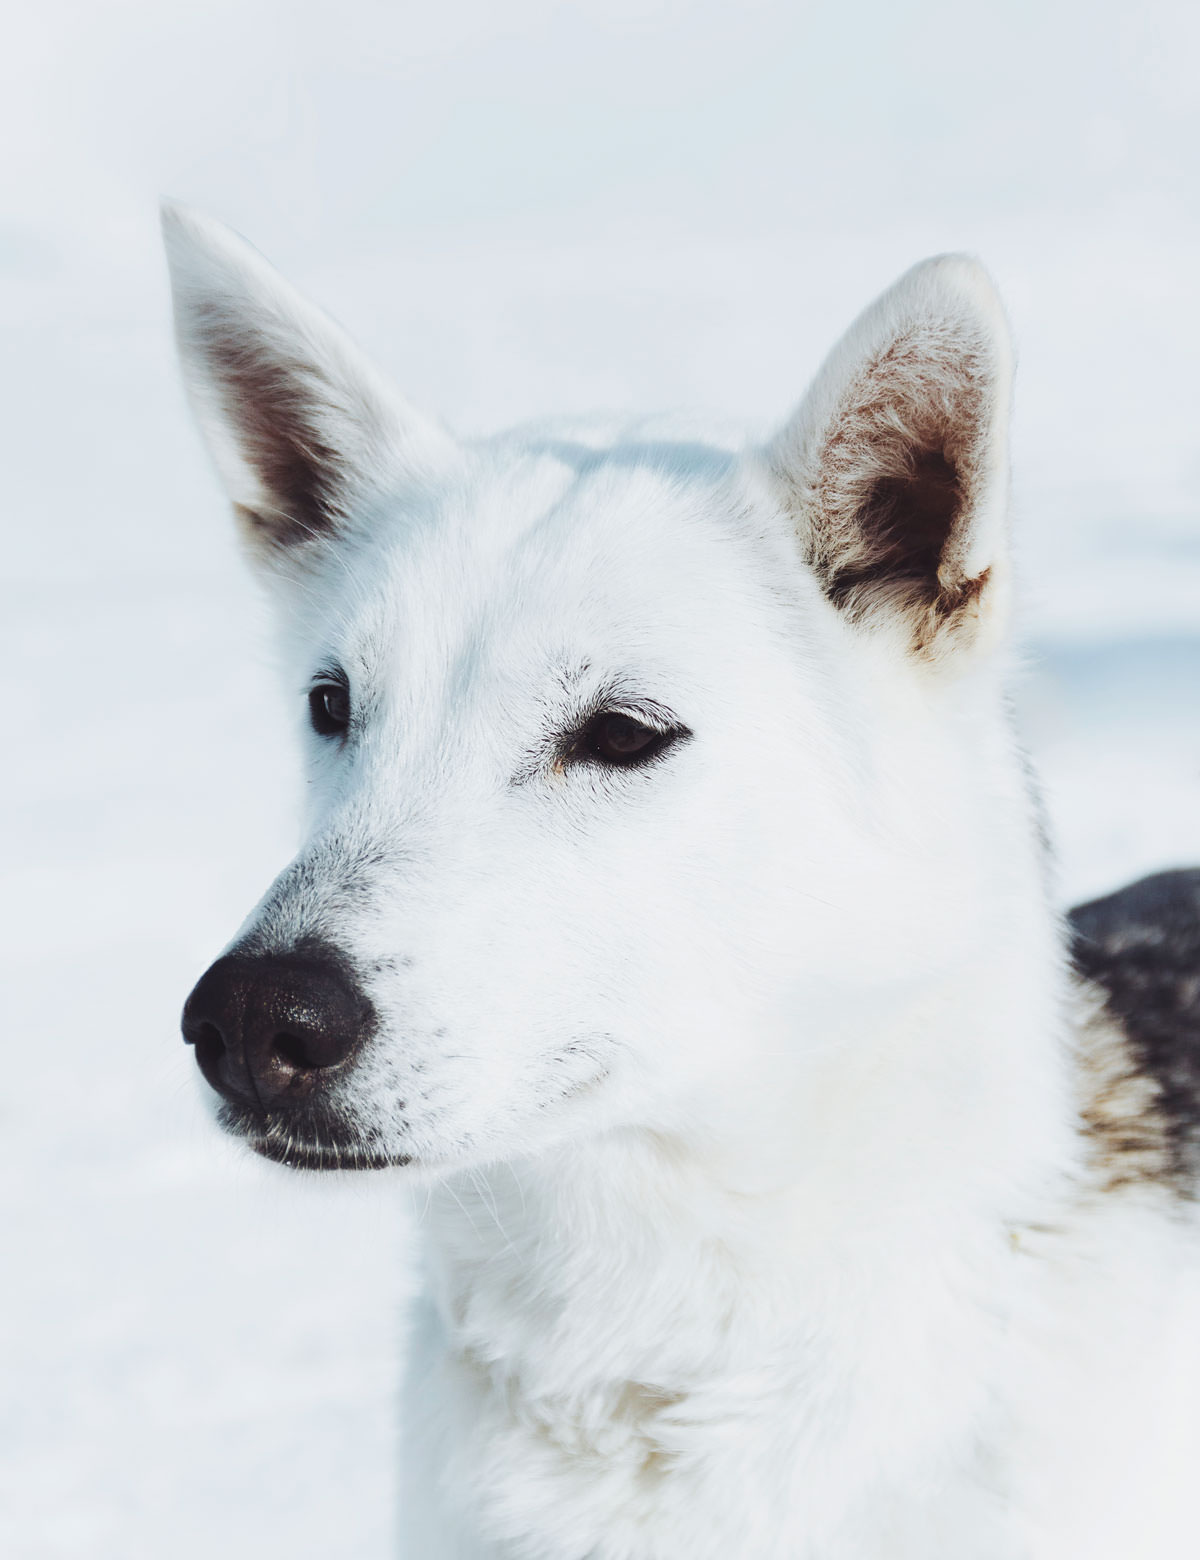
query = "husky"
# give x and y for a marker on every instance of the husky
(673, 910)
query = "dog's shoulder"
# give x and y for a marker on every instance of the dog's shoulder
(1137, 953)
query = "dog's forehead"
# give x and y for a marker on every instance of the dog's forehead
(558, 552)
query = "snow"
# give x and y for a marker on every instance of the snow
(521, 210)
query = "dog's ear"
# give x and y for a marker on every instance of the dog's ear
(895, 466)
(301, 426)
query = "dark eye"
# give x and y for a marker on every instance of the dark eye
(621, 740)
(329, 708)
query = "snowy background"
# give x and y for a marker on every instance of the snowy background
(523, 208)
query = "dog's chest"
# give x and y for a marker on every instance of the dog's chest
(730, 1470)
(935, 1411)
(821, 1442)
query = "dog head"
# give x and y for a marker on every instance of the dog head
(641, 770)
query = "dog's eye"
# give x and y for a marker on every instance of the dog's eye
(621, 740)
(329, 708)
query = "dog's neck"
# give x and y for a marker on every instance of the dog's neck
(903, 1164)
(839, 1274)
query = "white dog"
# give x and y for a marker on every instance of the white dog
(673, 905)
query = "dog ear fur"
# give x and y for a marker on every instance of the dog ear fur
(301, 426)
(895, 466)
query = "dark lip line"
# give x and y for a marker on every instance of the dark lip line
(297, 1154)
(295, 1149)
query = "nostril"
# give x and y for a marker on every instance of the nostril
(209, 1045)
(205, 1037)
(296, 1054)
(293, 1053)
(291, 1060)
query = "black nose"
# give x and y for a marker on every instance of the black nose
(268, 1028)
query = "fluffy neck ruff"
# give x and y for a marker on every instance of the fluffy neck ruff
(813, 1296)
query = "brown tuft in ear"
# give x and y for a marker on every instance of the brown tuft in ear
(895, 466)
(279, 417)
(301, 426)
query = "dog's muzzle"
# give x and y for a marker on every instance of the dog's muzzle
(273, 1031)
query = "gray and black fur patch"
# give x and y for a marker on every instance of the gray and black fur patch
(1139, 949)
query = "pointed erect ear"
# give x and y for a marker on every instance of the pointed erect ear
(300, 425)
(895, 467)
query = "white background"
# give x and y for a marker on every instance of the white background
(522, 209)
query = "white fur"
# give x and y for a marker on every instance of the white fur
(739, 1089)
